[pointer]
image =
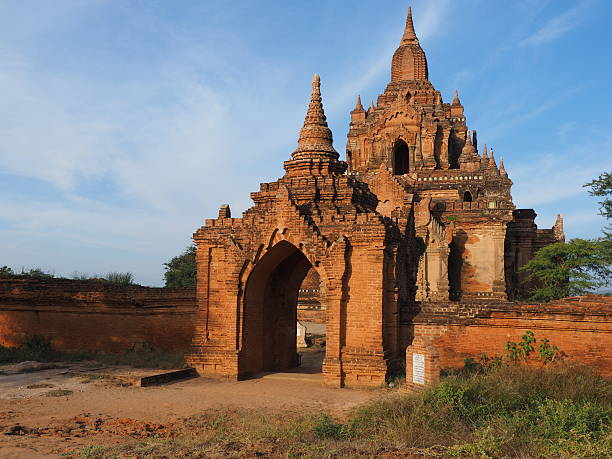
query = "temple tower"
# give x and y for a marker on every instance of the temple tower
(412, 147)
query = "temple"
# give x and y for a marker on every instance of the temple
(417, 215)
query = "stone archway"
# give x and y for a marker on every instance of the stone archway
(268, 341)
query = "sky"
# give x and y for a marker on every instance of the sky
(123, 125)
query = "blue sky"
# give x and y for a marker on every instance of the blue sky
(125, 124)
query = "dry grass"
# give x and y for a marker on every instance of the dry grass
(508, 411)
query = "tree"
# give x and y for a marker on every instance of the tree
(579, 266)
(602, 186)
(566, 269)
(181, 270)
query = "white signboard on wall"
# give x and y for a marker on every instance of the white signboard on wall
(418, 368)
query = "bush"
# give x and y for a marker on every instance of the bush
(117, 278)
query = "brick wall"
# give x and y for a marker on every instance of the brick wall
(581, 327)
(76, 315)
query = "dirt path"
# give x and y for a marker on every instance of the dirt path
(99, 410)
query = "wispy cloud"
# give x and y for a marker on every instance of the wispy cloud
(557, 26)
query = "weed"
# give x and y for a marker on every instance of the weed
(39, 386)
(126, 278)
(58, 393)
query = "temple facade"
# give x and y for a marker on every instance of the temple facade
(418, 214)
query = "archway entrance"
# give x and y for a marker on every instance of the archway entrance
(269, 338)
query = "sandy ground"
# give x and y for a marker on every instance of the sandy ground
(103, 409)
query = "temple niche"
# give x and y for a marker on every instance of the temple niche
(418, 215)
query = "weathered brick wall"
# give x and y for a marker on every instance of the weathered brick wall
(77, 315)
(581, 327)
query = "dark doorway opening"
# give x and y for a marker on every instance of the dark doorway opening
(467, 196)
(400, 158)
(455, 265)
(270, 324)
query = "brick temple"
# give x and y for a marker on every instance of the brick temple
(419, 219)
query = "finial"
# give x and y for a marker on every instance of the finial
(316, 83)
(456, 100)
(502, 169)
(358, 106)
(409, 34)
(492, 159)
(485, 153)
(372, 107)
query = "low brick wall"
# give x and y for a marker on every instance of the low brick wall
(581, 327)
(77, 315)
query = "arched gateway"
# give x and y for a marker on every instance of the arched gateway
(250, 270)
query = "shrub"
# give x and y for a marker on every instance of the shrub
(118, 278)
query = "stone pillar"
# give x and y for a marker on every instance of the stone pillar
(335, 326)
(444, 161)
(437, 272)
(499, 273)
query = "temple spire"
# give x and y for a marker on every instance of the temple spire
(409, 34)
(485, 153)
(358, 106)
(502, 169)
(492, 159)
(456, 100)
(315, 139)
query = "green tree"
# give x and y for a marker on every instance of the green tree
(5, 271)
(579, 266)
(181, 270)
(566, 269)
(602, 186)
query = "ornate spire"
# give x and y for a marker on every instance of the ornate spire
(485, 153)
(315, 139)
(315, 154)
(456, 100)
(502, 169)
(409, 61)
(409, 34)
(468, 152)
(492, 159)
(372, 107)
(358, 106)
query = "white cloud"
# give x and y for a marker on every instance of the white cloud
(556, 26)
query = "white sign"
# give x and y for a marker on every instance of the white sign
(418, 368)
